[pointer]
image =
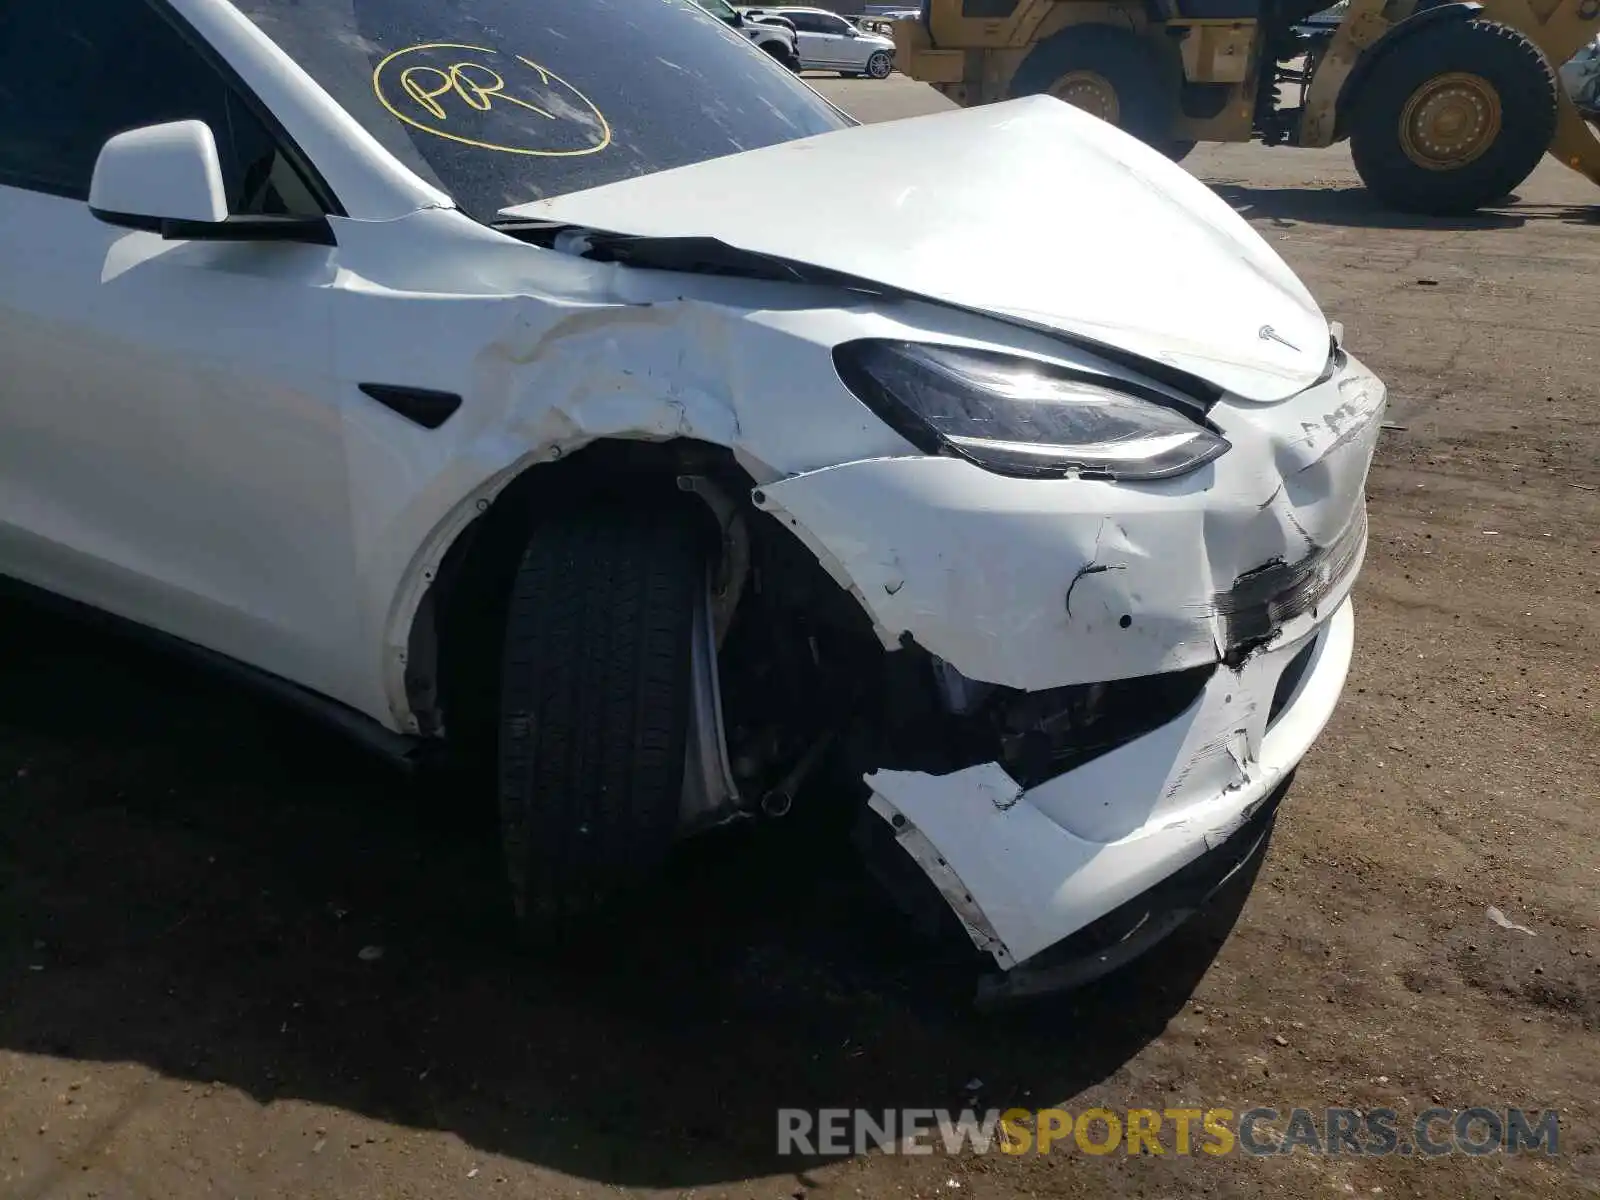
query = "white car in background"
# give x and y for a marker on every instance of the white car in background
(776, 39)
(532, 384)
(828, 42)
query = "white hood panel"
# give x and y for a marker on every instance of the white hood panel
(1029, 210)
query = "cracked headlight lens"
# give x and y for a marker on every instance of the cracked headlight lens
(1020, 416)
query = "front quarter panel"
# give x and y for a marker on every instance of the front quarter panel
(550, 353)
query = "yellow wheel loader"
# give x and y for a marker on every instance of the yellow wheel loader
(1448, 106)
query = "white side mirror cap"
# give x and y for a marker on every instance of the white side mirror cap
(160, 173)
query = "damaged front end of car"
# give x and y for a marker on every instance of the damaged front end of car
(1070, 700)
(1052, 552)
(1076, 700)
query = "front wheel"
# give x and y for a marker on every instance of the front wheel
(783, 54)
(880, 64)
(594, 715)
(1453, 117)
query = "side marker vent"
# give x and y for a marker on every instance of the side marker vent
(427, 408)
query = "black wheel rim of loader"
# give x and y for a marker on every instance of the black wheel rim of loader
(1453, 117)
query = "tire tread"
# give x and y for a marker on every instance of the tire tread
(594, 706)
(1505, 56)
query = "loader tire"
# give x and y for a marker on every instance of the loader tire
(1089, 65)
(1453, 118)
(594, 714)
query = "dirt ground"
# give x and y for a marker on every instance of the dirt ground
(188, 879)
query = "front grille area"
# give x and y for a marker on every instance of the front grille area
(1045, 734)
(942, 723)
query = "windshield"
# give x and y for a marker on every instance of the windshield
(502, 102)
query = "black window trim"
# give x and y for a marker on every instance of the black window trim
(238, 90)
(27, 183)
(320, 190)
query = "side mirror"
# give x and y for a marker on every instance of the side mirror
(738, 19)
(852, 31)
(167, 179)
(160, 173)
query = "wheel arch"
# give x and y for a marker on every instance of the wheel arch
(452, 634)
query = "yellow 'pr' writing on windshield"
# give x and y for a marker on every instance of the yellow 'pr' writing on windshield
(422, 94)
(479, 97)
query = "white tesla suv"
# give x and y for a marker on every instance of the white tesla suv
(535, 383)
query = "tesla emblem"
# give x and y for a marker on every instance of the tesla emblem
(1269, 334)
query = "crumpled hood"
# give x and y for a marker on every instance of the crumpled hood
(1029, 210)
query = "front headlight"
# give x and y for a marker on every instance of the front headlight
(1019, 416)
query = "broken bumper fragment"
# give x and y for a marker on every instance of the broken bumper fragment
(1231, 584)
(1025, 868)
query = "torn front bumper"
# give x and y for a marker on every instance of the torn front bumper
(1024, 869)
(1244, 566)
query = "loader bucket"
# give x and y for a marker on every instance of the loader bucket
(1577, 140)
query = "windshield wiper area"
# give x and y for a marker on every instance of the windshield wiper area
(691, 255)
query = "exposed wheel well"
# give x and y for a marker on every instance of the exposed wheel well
(805, 678)
(452, 673)
(797, 652)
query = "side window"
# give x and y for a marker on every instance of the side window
(807, 22)
(836, 25)
(74, 74)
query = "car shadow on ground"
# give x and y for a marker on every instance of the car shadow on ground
(192, 876)
(1357, 208)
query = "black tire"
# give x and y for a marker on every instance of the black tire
(880, 61)
(1147, 94)
(594, 712)
(1503, 57)
(780, 52)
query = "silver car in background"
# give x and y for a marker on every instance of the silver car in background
(828, 42)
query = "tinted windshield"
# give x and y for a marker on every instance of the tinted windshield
(500, 102)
